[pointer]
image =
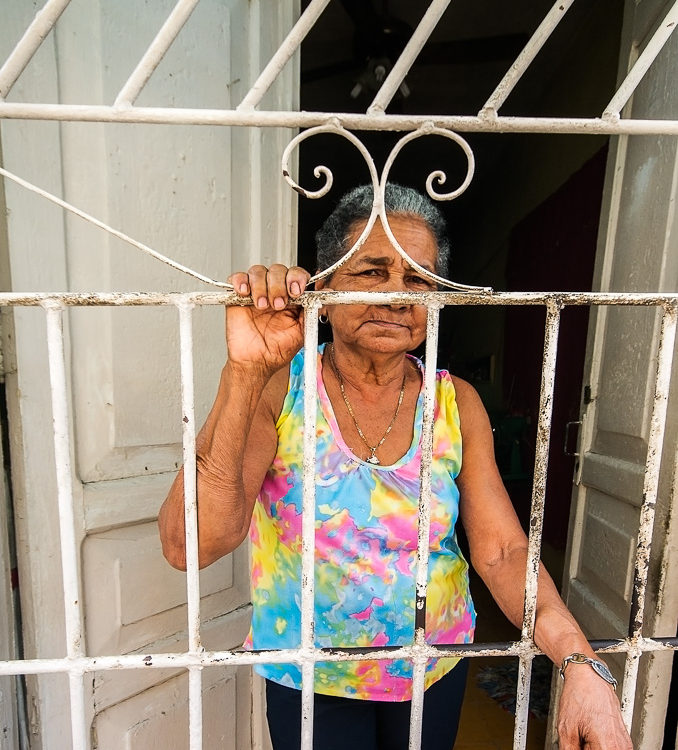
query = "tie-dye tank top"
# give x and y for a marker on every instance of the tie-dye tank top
(365, 555)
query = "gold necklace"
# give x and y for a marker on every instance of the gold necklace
(372, 458)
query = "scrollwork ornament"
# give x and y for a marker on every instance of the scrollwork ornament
(379, 187)
(440, 177)
(336, 129)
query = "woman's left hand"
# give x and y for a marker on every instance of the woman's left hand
(589, 715)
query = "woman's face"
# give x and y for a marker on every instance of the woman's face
(378, 267)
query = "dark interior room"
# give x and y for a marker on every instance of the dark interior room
(528, 222)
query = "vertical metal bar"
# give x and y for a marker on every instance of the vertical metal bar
(645, 59)
(308, 524)
(195, 708)
(522, 701)
(655, 443)
(536, 518)
(69, 548)
(79, 727)
(156, 51)
(424, 526)
(254, 137)
(408, 56)
(27, 46)
(282, 55)
(191, 521)
(525, 58)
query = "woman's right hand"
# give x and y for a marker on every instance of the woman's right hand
(267, 334)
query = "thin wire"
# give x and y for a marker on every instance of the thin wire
(115, 232)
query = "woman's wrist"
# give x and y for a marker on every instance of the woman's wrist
(248, 374)
(573, 662)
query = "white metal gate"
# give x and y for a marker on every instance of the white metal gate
(77, 664)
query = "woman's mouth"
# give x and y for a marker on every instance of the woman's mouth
(386, 324)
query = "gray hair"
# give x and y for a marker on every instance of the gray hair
(333, 237)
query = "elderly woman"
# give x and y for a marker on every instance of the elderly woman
(369, 423)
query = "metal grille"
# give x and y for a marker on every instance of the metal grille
(77, 664)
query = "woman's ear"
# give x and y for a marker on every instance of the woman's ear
(322, 313)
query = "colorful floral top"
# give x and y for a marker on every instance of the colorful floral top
(365, 559)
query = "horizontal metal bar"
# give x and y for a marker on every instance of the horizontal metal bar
(117, 299)
(351, 121)
(668, 643)
(293, 656)
(240, 658)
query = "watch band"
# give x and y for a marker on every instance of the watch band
(599, 667)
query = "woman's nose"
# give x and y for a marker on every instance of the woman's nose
(396, 283)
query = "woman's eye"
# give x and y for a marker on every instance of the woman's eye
(419, 281)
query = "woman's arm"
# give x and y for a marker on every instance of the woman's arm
(229, 470)
(238, 441)
(589, 709)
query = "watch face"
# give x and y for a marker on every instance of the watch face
(603, 671)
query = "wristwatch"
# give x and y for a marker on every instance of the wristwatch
(599, 667)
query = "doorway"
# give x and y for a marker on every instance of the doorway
(529, 220)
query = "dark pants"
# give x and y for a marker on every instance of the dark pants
(352, 724)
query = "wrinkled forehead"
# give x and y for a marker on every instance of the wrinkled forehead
(412, 233)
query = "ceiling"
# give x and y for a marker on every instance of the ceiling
(457, 70)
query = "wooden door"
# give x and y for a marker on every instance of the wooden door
(204, 197)
(636, 252)
(9, 729)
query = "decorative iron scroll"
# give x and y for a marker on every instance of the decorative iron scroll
(379, 186)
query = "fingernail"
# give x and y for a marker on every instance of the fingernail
(295, 288)
(262, 302)
(243, 289)
(278, 303)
